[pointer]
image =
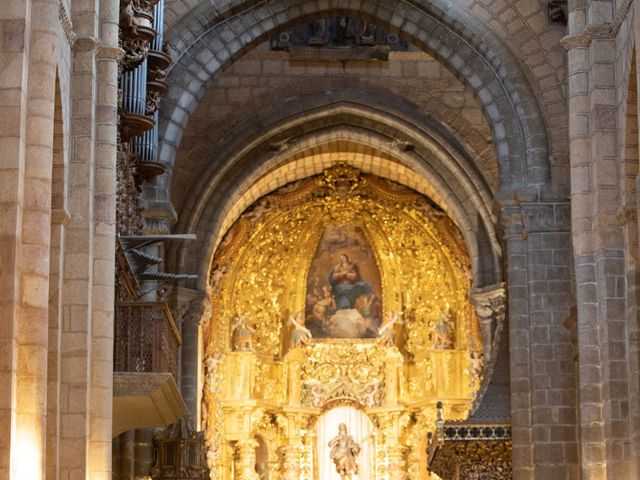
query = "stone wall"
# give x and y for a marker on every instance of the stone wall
(57, 170)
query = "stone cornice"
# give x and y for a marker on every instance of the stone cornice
(587, 35)
(86, 43)
(110, 53)
(598, 32)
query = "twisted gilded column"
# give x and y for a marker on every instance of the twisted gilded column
(397, 463)
(245, 460)
(291, 462)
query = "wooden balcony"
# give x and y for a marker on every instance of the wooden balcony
(146, 338)
(145, 367)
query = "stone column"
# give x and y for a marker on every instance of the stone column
(543, 378)
(26, 140)
(190, 364)
(143, 452)
(245, 460)
(598, 241)
(87, 331)
(104, 227)
(127, 455)
(15, 34)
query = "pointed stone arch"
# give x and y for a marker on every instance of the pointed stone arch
(454, 37)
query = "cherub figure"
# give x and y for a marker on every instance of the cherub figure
(369, 395)
(317, 396)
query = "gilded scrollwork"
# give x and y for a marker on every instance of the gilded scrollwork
(338, 370)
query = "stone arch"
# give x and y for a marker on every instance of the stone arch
(310, 95)
(217, 191)
(477, 57)
(262, 130)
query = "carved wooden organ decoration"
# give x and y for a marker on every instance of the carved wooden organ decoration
(143, 68)
(342, 290)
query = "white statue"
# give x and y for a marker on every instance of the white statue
(301, 335)
(385, 332)
(344, 451)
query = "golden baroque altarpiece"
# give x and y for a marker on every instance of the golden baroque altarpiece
(267, 379)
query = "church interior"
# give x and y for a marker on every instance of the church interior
(319, 240)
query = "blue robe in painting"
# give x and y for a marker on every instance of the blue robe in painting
(347, 292)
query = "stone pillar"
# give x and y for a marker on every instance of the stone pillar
(14, 31)
(77, 297)
(190, 365)
(127, 455)
(543, 379)
(87, 333)
(245, 460)
(143, 452)
(59, 219)
(29, 54)
(598, 241)
(104, 227)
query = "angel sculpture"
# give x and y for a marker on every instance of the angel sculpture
(301, 335)
(385, 332)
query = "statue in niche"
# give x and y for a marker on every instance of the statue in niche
(338, 32)
(385, 332)
(316, 33)
(367, 34)
(344, 451)
(301, 335)
(242, 334)
(443, 332)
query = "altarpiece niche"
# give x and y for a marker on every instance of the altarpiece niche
(340, 303)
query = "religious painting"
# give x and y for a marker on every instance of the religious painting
(344, 294)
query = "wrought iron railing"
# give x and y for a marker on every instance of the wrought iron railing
(146, 338)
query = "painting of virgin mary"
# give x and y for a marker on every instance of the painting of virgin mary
(343, 291)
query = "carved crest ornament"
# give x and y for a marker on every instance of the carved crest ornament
(340, 289)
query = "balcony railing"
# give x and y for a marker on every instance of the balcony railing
(146, 338)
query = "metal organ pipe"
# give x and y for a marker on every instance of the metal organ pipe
(134, 89)
(158, 26)
(134, 86)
